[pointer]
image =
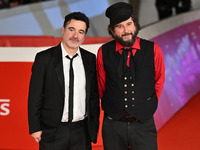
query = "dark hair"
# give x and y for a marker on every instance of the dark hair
(77, 16)
(135, 21)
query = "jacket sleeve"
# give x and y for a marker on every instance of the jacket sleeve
(35, 97)
(94, 102)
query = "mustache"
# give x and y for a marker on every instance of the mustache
(127, 34)
(74, 39)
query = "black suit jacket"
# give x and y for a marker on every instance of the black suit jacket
(46, 93)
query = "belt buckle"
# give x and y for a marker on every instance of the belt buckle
(130, 118)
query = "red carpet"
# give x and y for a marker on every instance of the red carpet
(182, 131)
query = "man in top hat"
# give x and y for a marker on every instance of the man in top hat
(131, 75)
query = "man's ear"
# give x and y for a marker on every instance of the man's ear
(111, 31)
(63, 29)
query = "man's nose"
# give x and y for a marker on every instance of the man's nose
(75, 34)
(125, 30)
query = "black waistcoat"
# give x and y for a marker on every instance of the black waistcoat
(142, 102)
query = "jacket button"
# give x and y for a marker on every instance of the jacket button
(126, 106)
(132, 92)
(132, 84)
(133, 98)
(125, 99)
(125, 85)
(125, 92)
(125, 78)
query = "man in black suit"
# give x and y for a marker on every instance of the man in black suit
(54, 121)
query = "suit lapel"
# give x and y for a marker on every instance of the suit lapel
(57, 58)
(87, 68)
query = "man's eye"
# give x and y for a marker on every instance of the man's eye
(119, 26)
(71, 29)
(81, 32)
(129, 24)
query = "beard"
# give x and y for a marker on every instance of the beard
(128, 43)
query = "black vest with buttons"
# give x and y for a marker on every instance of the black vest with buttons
(132, 93)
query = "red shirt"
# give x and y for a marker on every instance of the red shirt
(158, 60)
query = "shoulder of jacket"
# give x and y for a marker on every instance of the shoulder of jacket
(109, 42)
(86, 52)
(47, 52)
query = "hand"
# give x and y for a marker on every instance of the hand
(37, 136)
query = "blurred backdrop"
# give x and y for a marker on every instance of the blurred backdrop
(45, 17)
(29, 26)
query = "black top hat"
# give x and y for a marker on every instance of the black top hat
(119, 12)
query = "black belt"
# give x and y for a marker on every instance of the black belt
(125, 118)
(75, 124)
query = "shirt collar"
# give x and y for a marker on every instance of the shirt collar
(64, 52)
(136, 45)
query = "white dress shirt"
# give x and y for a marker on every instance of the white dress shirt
(79, 100)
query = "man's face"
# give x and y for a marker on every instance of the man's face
(125, 32)
(73, 34)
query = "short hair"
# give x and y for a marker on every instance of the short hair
(76, 16)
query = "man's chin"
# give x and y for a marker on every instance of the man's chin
(127, 39)
(127, 43)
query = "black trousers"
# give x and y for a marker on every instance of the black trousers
(69, 136)
(119, 135)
